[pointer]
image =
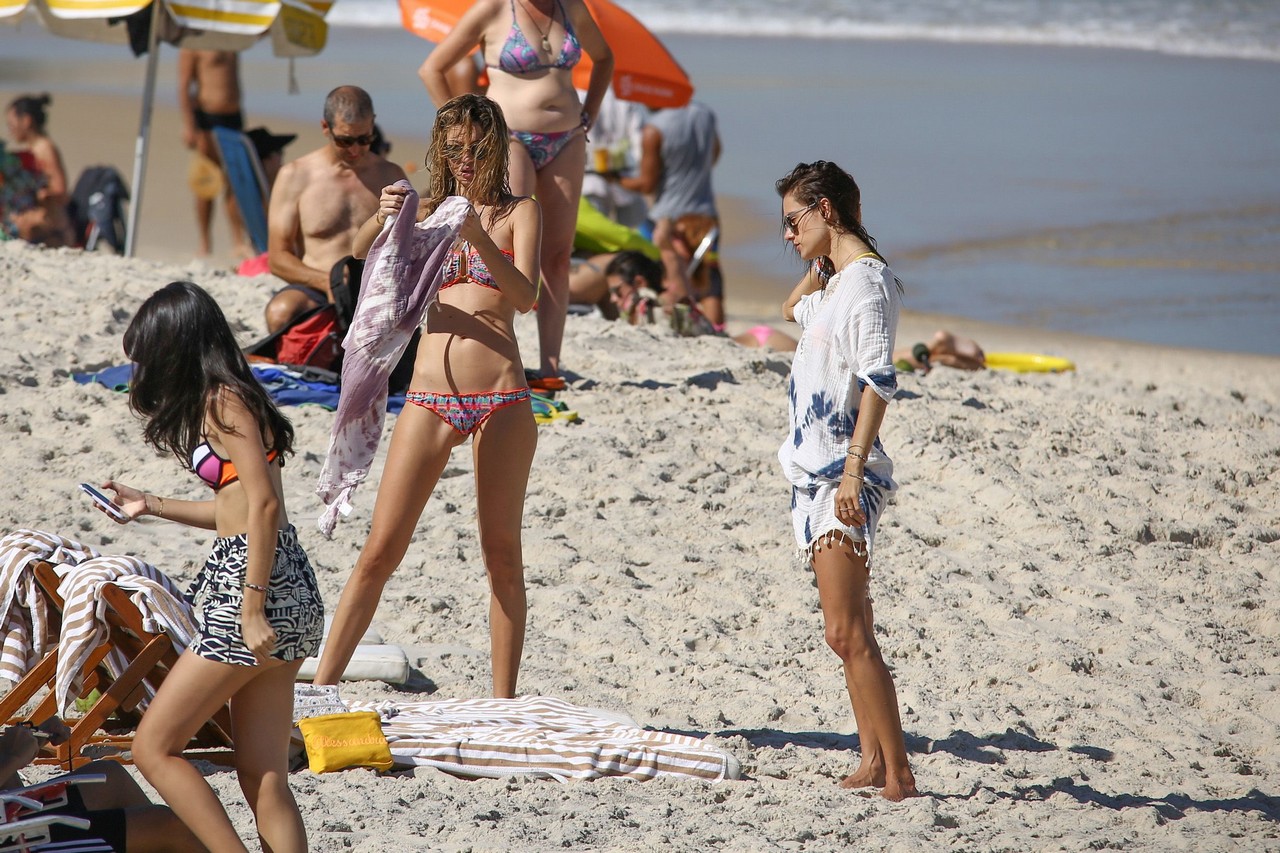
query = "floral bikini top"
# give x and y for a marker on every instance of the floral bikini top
(519, 57)
(463, 266)
(216, 471)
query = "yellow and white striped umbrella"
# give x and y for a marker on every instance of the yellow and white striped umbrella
(296, 28)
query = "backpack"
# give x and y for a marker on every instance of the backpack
(96, 207)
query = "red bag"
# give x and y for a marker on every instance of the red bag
(313, 341)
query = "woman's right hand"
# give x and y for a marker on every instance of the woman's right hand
(131, 501)
(390, 202)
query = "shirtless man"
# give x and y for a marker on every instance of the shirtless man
(209, 97)
(318, 203)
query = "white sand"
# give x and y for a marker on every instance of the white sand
(1075, 587)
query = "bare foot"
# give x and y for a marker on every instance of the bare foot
(864, 777)
(897, 790)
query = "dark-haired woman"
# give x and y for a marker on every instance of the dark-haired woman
(262, 612)
(842, 379)
(48, 223)
(468, 380)
(530, 48)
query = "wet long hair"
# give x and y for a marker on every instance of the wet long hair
(810, 183)
(483, 118)
(184, 355)
(33, 107)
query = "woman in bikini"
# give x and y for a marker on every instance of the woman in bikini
(842, 379)
(468, 380)
(530, 48)
(262, 611)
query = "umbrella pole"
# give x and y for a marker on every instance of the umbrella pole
(144, 130)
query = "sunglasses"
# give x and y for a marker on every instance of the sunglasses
(454, 151)
(791, 221)
(348, 141)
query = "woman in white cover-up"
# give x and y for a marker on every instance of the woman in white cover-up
(842, 379)
(468, 380)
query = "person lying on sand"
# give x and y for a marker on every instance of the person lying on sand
(943, 348)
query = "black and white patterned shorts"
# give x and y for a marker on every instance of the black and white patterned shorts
(294, 608)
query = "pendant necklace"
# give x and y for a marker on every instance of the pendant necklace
(546, 43)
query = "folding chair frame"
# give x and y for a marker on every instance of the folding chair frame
(150, 657)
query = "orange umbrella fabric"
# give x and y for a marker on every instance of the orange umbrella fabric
(643, 70)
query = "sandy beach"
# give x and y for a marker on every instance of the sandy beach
(1073, 587)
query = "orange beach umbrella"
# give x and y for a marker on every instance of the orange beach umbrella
(643, 70)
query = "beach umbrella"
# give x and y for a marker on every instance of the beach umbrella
(643, 70)
(295, 27)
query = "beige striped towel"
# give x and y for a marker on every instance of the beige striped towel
(24, 612)
(157, 598)
(540, 736)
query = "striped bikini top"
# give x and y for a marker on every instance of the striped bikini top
(463, 266)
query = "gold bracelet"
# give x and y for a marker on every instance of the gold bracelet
(854, 476)
(158, 513)
(856, 455)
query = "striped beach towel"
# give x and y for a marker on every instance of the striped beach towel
(540, 736)
(157, 598)
(25, 619)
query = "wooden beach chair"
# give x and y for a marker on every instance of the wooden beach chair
(109, 721)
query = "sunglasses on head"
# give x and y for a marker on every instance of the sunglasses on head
(348, 141)
(455, 151)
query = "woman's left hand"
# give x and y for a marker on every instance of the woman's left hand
(848, 507)
(259, 636)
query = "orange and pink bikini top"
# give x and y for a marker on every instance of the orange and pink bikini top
(216, 471)
(469, 266)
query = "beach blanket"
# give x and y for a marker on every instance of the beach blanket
(286, 386)
(402, 276)
(540, 736)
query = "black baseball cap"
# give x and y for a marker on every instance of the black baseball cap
(268, 143)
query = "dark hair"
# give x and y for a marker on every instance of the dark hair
(183, 355)
(629, 264)
(349, 104)
(32, 107)
(483, 116)
(810, 183)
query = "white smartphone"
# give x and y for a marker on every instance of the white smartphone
(105, 502)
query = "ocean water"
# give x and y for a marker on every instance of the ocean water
(1102, 167)
(1248, 29)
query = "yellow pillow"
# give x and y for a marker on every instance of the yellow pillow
(337, 741)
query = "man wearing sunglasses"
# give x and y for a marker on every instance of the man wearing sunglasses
(318, 203)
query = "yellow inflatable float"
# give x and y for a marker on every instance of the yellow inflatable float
(1027, 362)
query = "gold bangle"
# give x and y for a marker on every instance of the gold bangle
(158, 513)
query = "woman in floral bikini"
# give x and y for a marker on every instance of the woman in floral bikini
(468, 380)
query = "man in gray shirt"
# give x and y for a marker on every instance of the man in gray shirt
(679, 148)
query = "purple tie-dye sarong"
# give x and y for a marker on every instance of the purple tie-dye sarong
(401, 279)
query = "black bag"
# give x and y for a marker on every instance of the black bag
(96, 207)
(344, 286)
